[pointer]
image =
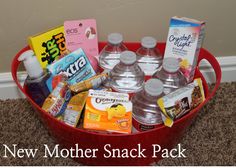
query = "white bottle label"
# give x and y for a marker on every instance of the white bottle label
(148, 65)
(112, 60)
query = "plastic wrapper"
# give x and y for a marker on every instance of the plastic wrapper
(177, 103)
(74, 109)
(56, 102)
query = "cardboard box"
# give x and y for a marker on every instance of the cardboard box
(184, 41)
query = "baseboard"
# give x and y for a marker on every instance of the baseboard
(228, 68)
(9, 90)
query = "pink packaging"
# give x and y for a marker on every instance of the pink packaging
(83, 34)
(184, 41)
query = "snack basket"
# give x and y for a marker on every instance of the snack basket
(166, 137)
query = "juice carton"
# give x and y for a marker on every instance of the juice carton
(48, 46)
(83, 34)
(75, 66)
(56, 102)
(184, 41)
(108, 111)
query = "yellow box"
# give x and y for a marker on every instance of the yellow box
(48, 46)
(108, 111)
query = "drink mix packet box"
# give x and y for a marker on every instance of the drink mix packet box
(83, 34)
(184, 41)
(48, 46)
(108, 111)
(75, 66)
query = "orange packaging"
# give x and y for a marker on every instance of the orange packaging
(108, 111)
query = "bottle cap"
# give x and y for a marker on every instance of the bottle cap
(31, 64)
(128, 57)
(148, 42)
(115, 38)
(171, 64)
(154, 87)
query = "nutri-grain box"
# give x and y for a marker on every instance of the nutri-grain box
(184, 41)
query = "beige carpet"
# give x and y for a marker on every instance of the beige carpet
(211, 140)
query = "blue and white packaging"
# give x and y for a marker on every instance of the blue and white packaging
(75, 66)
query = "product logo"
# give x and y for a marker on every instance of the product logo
(143, 127)
(67, 95)
(53, 48)
(56, 107)
(108, 104)
(73, 68)
(107, 100)
(181, 41)
(72, 31)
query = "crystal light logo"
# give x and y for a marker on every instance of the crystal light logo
(181, 41)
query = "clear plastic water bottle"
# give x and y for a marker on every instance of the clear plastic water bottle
(170, 75)
(149, 57)
(127, 76)
(146, 112)
(110, 55)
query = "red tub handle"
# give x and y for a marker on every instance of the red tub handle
(204, 54)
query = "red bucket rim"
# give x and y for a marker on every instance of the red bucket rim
(215, 64)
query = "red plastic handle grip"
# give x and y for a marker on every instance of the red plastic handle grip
(204, 54)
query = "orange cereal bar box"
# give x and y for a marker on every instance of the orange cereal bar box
(108, 111)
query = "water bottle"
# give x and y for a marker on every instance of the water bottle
(110, 55)
(170, 75)
(127, 76)
(149, 57)
(146, 112)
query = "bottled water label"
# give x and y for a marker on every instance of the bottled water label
(149, 65)
(111, 60)
(127, 85)
(168, 88)
(141, 126)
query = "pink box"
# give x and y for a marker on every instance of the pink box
(83, 34)
(184, 41)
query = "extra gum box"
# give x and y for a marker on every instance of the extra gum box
(75, 66)
(108, 111)
(184, 41)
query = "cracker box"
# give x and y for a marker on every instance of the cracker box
(48, 46)
(108, 111)
(184, 41)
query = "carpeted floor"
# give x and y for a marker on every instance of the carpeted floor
(211, 139)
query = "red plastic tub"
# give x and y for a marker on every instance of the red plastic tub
(166, 137)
